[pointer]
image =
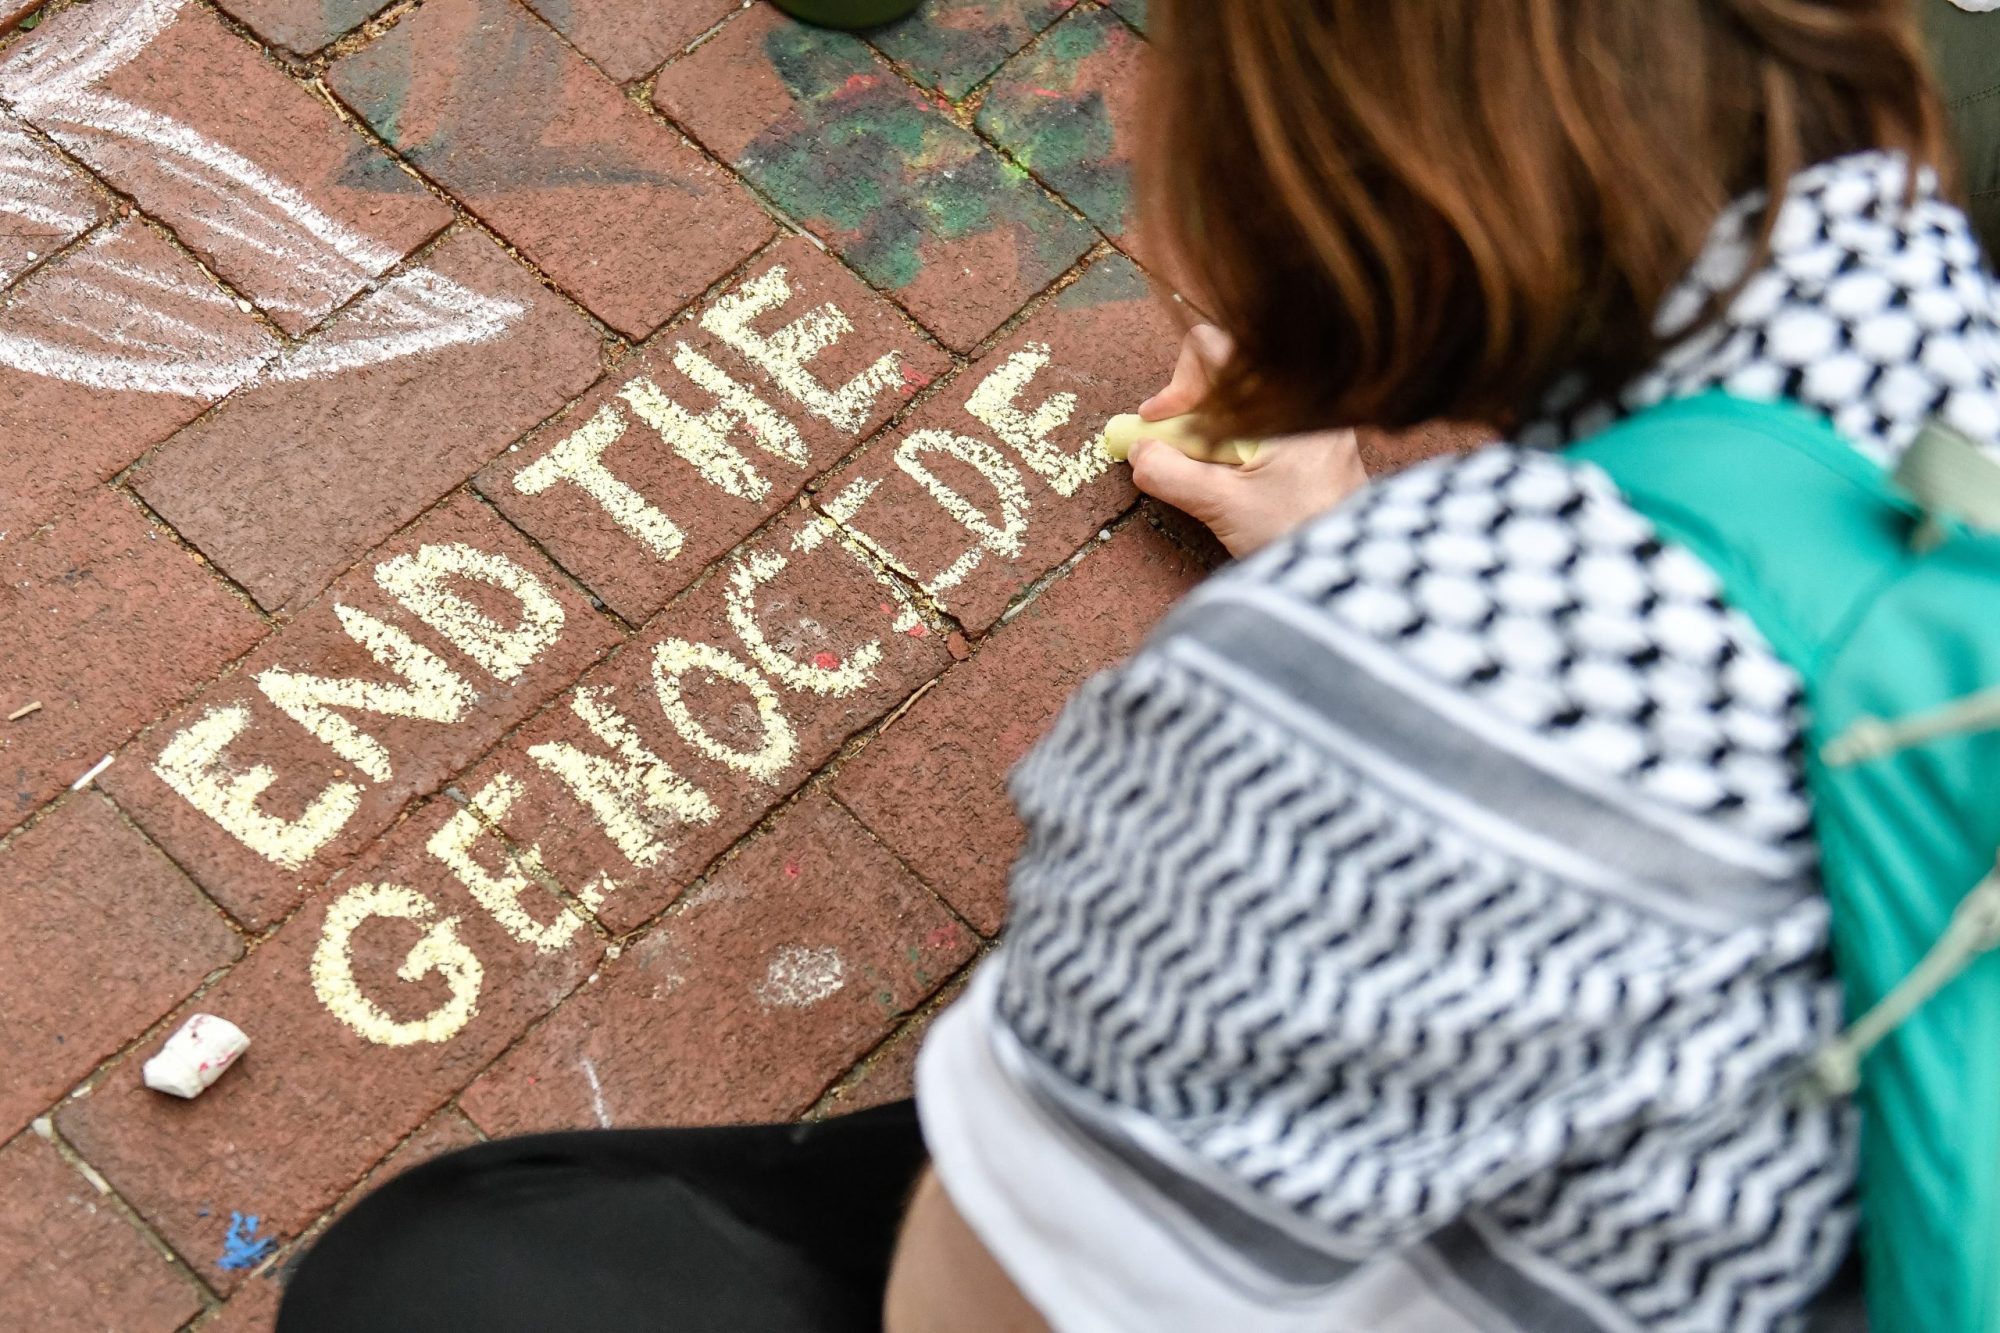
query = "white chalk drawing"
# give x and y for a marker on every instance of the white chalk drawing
(1027, 433)
(194, 765)
(638, 800)
(783, 355)
(501, 892)
(420, 581)
(320, 261)
(801, 976)
(108, 316)
(439, 951)
(40, 190)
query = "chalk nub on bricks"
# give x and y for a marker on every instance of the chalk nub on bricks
(1179, 433)
(195, 1056)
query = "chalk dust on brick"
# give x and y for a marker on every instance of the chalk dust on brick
(605, 200)
(1068, 111)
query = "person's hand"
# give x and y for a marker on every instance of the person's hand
(1292, 478)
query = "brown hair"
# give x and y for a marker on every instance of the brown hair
(1411, 209)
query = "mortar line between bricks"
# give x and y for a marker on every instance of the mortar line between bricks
(120, 745)
(797, 228)
(243, 932)
(101, 192)
(1098, 249)
(869, 831)
(415, 257)
(927, 1009)
(127, 208)
(100, 1183)
(707, 35)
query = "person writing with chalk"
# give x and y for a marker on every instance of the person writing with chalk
(1544, 890)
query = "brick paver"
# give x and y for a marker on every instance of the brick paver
(779, 973)
(253, 1309)
(44, 203)
(402, 674)
(302, 26)
(933, 785)
(115, 625)
(69, 1262)
(953, 45)
(300, 473)
(921, 207)
(629, 39)
(252, 171)
(1067, 110)
(685, 449)
(366, 1011)
(999, 478)
(563, 514)
(604, 199)
(99, 935)
(60, 436)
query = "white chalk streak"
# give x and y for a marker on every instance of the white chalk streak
(597, 1105)
(320, 261)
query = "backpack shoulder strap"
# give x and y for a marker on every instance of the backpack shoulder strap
(1884, 606)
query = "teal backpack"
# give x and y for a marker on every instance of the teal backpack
(1883, 592)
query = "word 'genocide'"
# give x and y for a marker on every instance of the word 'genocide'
(692, 728)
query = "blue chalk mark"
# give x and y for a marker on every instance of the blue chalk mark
(242, 1247)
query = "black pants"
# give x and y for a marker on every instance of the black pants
(785, 1228)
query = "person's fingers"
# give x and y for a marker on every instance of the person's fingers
(1204, 348)
(1165, 473)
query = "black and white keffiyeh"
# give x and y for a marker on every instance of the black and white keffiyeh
(1425, 921)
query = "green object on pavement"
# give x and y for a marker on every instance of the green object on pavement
(847, 13)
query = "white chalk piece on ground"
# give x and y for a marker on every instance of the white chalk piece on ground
(195, 1056)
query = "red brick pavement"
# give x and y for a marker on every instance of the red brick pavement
(562, 513)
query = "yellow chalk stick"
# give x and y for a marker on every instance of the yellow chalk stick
(1127, 429)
